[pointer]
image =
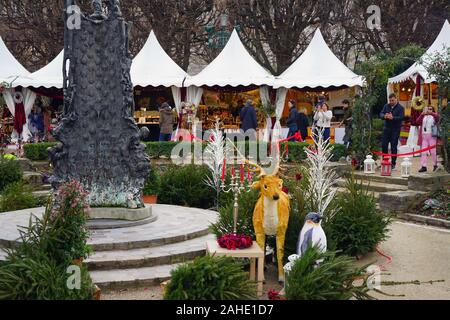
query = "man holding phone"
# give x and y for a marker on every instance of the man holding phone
(393, 114)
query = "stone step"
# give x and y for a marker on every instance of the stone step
(41, 165)
(149, 257)
(132, 278)
(375, 194)
(376, 186)
(32, 178)
(42, 194)
(45, 187)
(378, 178)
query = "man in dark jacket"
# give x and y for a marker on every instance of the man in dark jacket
(303, 123)
(392, 114)
(292, 119)
(248, 117)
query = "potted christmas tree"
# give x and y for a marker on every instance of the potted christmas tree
(152, 187)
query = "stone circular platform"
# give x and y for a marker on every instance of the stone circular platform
(174, 224)
(99, 224)
(121, 213)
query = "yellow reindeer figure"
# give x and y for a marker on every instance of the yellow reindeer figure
(271, 213)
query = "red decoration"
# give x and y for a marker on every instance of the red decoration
(224, 168)
(298, 176)
(249, 174)
(241, 173)
(275, 295)
(235, 241)
(20, 118)
(386, 169)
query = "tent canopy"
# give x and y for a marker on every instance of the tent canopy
(318, 67)
(234, 66)
(442, 40)
(152, 66)
(10, 68)
(50, 76)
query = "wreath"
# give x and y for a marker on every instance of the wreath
(18, 97)
(418, 103)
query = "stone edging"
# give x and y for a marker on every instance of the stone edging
(424, 219)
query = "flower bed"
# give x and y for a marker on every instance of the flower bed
(437, 205)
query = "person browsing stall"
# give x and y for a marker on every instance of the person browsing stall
(323, 118)
(393, 114)
(292, 119)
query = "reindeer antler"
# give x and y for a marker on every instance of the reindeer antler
(259, 169)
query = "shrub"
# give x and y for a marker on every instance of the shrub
(10, 172)
(40, 278)
(332, 279)
(17, 196)
(158, 149)
(296, 150)
(224, 224)
(358, 226)
(210, 278)
(153, 183)
(37, 267)
(185, 185)
(68, 218)
(38, 151)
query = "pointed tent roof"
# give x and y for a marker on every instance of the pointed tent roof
(49, 76)
(442, 40)
(10, 68)
(152, 66)
(234, 66)
(318, 67)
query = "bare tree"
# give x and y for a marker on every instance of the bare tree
(402, 22)
(180, 25)
(277, 31)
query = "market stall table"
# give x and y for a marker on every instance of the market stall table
(254, 253)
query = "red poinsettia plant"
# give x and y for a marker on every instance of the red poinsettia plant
(233, 241)
(275, 295)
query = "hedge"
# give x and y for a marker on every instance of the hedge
(38, 151)
(156, 150)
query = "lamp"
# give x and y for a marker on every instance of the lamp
(406, 167)
(369, 165)
(386, 169)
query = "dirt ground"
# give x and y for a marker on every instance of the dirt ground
(419, 253)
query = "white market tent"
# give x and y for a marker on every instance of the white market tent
(10, 68)
(234, 66)
(318, 67)
(442, 40)
(152, 66)
(50, 76)
(412, 73)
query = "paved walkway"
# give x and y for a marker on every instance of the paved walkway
(418, 253)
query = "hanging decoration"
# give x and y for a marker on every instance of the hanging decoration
(20, 118)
